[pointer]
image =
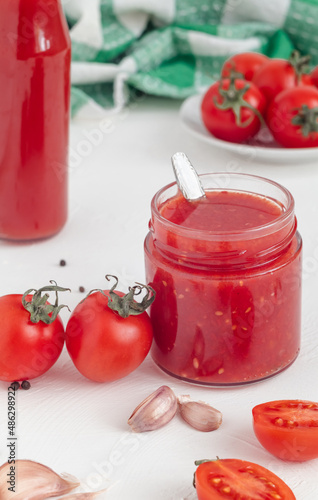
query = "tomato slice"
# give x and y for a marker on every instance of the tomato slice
(288, 429)
(239, 480)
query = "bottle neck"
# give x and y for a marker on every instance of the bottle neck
(33, 27)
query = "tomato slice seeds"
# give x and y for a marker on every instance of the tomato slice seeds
(288, 429)
(239, 480)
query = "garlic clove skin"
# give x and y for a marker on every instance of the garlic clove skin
(83, 496)
(199, 415)
(155, 411)
(34, 481)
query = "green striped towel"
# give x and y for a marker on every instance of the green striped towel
(176, 48)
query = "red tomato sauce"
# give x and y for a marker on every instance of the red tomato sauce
(221, 211)
(35, 53)
(228, 285)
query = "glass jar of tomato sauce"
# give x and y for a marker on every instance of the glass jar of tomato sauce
(35, 57)
(227, 272)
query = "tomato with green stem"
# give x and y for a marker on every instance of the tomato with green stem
(232, 109)
(109, 334)
(32, 333)
(238, 479)
(292, 118)
(280, 74)
(288, 429)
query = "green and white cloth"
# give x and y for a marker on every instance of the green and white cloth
(176, 48)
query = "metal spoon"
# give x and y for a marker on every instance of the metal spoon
(187, 178)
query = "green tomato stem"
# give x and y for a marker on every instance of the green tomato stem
(38, 308)
(233, 99)
(127, 306)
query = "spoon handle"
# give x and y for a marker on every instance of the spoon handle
(187, 178)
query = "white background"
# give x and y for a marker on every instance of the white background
(74, 425)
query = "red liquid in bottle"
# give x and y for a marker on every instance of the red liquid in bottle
(35, 56)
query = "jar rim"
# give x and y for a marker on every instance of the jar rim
(249, 233)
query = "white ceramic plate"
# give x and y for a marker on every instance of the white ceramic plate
(260, 148)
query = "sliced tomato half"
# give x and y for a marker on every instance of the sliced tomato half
(288, 429)
(238, 479)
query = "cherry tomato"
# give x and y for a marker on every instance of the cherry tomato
(29, 346)
(238, 479)
(288, 429)
(292, 117)
(232, 109)
(103, 345)
(246, 63)
(277, 75)
(314, 76)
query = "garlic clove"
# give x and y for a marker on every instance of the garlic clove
(83, 496)
(33, 481)
(155, 411)
(199, 414)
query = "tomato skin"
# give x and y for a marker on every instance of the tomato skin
(246, 63)
(222, 123)
(275, 76)
(281, 112)
(104, 346)
(314, 76)
(288, 429)
(234, 478)
(27, 350)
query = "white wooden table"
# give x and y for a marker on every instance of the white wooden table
(74, 425)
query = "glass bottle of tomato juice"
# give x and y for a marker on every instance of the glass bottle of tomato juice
(227, 272)
(35, 56)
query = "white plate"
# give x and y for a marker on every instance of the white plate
(260, 148)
